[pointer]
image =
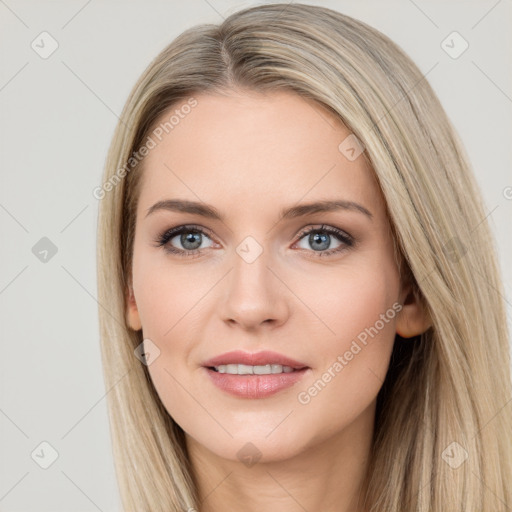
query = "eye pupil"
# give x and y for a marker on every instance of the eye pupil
(191, 238)
(319, 241)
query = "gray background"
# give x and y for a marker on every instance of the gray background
(57, 118)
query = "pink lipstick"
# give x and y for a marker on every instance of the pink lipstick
(254, 375)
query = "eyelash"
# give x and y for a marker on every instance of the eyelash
(169, 234)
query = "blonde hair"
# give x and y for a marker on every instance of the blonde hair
(449, 385)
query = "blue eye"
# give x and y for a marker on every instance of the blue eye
(320, 239)
(192, 237)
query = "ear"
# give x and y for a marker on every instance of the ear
(413, 318)
(132, 312)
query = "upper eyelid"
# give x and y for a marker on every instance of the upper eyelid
(324, 227)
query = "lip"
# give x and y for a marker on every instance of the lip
(254, 386)
(254, 359)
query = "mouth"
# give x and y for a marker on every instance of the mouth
(254, 375)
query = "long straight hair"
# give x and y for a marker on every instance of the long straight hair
(443, 421)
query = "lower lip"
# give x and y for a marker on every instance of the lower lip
(255, 386)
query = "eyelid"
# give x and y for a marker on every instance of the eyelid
(325, 228)
(186, 227)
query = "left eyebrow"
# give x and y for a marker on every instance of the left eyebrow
(208, 211)
(323, 206)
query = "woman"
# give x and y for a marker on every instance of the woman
(301, 303)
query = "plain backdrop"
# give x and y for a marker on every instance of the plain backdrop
(57, 118)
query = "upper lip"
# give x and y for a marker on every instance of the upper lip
(254, 359)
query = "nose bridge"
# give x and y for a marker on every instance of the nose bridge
(253, 294)
(250, 277)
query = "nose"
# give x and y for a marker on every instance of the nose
(254, 297)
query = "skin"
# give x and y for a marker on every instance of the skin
(249, 155)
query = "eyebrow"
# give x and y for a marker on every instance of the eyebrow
(208, 211)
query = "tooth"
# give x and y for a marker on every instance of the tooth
(263, 370)
(244, 369)
(231, 368)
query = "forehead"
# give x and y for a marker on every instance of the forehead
(254, 150)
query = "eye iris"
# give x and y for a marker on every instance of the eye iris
(319, 241)
(191, 238)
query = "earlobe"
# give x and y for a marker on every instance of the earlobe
(132, 312)
(413, 319)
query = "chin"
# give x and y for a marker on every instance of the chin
(249, 446)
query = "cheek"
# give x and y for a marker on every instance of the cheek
(169, 298)
(171, 301)
(361, 310)
(347, 302)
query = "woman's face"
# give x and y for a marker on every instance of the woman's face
(265, 273)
